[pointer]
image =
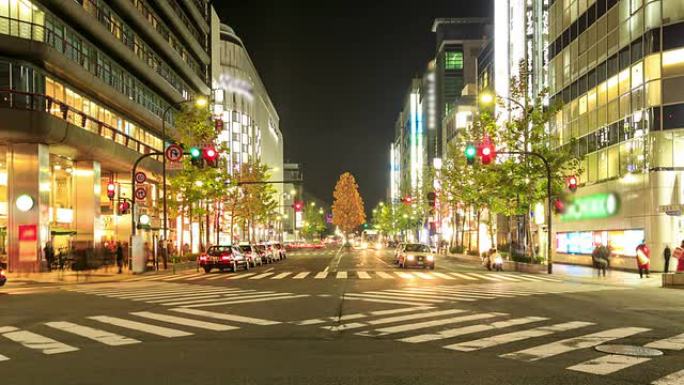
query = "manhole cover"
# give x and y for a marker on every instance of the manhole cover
(629, 350)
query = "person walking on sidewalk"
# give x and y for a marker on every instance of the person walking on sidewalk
(119, 256)
(679, 254)
(49, 253)
(643, 259)
(666, 256)
(600, 256)
(496, 259)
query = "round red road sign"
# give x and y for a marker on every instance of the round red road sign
(140, 193)
(140, 177)
(174, 152)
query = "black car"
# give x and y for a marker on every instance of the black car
(226, 257)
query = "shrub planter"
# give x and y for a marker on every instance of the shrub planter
(673, 279)
(525, 267)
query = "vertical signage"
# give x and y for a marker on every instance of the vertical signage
(28, 236)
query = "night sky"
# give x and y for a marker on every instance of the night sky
(337, 73)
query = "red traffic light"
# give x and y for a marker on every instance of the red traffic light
(487, 151)
(559, 206)
(111, 190)
(209, 153)
(572, 183)
(124, 207)
(298, 206)
(407, 200)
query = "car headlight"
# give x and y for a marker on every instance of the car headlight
(430, 258)
(410, 257)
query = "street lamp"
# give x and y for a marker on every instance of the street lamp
(313, 204)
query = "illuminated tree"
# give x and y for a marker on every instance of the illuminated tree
(348, 211)
(314, 223)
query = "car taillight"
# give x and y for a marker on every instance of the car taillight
(203, 257)
(225, 257)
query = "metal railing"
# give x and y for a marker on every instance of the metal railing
(43, 103)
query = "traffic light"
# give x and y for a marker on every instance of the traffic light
(572, 183)
(210, 155)
(487, 152)
(124, 206)
(111, 190)
(470, 152)
(407, 200)
(559, 206)
(298, 206)
(196, 157)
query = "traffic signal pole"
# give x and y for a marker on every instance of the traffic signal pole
(549, 215)
(135, 169)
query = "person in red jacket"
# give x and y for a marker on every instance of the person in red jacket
(679, 254)
(643, 259)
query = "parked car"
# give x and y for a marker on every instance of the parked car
(266, 252)
(278, 250)
(252, 254)
(417, 255)
(225, 257)
(3, 277)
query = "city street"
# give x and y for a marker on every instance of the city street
(336, 316)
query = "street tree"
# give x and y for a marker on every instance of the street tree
(250, 201)
(314, 222)
(348, 211)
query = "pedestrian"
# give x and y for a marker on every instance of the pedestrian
(643, 259)
(497, 260)
(679, 254)
(666, 255)
(486, 260)
(49, 253)
(600, 257)
(119, 256)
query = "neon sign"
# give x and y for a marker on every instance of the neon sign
(595, 206)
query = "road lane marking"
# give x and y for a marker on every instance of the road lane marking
(301, 275)
(428, 324)
(451, 333)
(242, 276)
(238, 301)
(541, 277)
(3, 358)
(7, 329)
(467, 277)
(282, 275)
(183, 276)
(506, 278)
(187, 301)
(381, 321)
(442, 275)
(261, 276)
(424, 275)
(321, 275)
(226, 317)
(676, 378)
(200, 276)
(608, 364)
(523, 278)
(140, 326)
(404, 275)
(185, 293)
(341, 275)
(363, 275)
(326, 269)
(219, 276)
(314, 321)
(98, 335)
(407, 303)
(672, 343)
(501, 339)
(185, 321)
(464, 294)
(384, 275)
(390, 297)
(402, 310)
(38, 342)
(445, 296)
(484, 276)
(567, 345)
(341, 327)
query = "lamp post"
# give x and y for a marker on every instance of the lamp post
(200, 102)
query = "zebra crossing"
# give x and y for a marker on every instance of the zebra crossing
(426, 296)
(111, 331)
(185, 295)
(528, 338)
(358, 274)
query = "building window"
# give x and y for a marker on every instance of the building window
(454, 60)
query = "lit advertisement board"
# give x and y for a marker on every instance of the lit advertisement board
(622, 242)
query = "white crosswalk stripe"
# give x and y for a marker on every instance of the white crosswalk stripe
(301, 275)
(541, 277)
(363, 275)
(341, 275)
(225, 317)
(282, 275)
(676, 378)
(377, 300)
(384, 275)
(240, 276)
(424, 275)
(98, 335)
(229, 297)
(184, 321)
(487, 342)
(421, 296)
(443, 276)
(428, 324)
(404, 275)
(321, 275)
(394, 319)
(392, 297)
(261, 276)
(463, 276)
(672, 343)
(140, 326)
(488, 277)
(567, 345)
(36, 341)
(608, 364)
(274, 297)
(451, 333)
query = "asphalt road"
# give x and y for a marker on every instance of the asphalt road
(362, 322)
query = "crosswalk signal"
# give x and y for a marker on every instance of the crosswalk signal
(196, 157)
(470, 152)
(124, 207)
(572, 183)
(487, 152)
(111, 190)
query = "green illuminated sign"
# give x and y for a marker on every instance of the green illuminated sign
(592, 207)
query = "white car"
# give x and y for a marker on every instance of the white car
(416, 255)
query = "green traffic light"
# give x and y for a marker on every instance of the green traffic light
(195, 152)
(470, 151)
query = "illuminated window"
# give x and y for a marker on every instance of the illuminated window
(453, 60)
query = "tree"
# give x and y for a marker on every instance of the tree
(314, 223)
(348, 210)
(249, 203)
(393, 218)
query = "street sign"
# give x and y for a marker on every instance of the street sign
(140, 177)
(174, 152)
(140, 193)
(671, 210)
(174, 165)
